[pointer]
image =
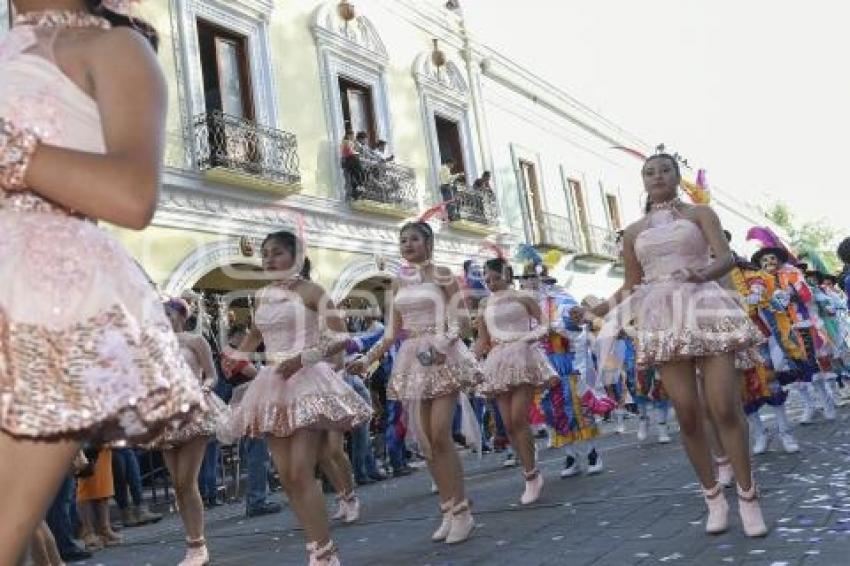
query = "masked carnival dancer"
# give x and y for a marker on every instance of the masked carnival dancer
(510, 327)
(297, 401)
(762, 385)
(685, 321)
(786, 299)
(86, 351)
(831, 311)
(431, 369)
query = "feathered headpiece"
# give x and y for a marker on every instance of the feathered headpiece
(814, 259)
(770, 244)
(697, 191)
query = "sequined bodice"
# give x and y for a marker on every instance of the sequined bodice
(422, 307)
(288, 327)
(36, 94)
(669, 244)
(507, 319)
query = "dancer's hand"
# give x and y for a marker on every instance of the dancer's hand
(439, 358)
(289, 366)
(357, 366)
(578, 314)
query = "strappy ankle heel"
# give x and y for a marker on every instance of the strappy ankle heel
(327, 555)
(533, 487)
(718, 510)
(443, 531)
(750, 511)
(462, 523)
(196, 553)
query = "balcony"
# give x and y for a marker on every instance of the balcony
(235, 151)
(474, 210)
(603, 243)
(556, 232)
(388, 189)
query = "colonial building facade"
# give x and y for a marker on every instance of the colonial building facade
(263, 91)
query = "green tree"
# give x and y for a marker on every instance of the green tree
(817, 236)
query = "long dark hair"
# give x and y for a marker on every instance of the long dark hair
(122, 21)
(291, 244)
(669, 158)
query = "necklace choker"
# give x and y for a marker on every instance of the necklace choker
(51, 19)
(666, 205)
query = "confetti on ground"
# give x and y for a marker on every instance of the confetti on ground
(558, 537)
(647, 535)
(674, 556)
(757, 551)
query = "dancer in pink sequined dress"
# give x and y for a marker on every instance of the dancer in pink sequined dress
(298, 400)
(85, 348)
(431, 369)
(686, 322)
(509, 333)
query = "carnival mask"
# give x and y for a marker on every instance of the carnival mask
(769, 263)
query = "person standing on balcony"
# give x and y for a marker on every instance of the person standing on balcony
(448, 179)
(669, 271)
(350, 161)
(431, 368)
(381, 151)
(88, 352)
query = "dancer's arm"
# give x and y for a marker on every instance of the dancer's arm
(457, 310)
(120, 186)
(723, 261)
(482, 343)
(204, 352)
(376, 352)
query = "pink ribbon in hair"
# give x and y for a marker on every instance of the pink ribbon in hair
(123, 7)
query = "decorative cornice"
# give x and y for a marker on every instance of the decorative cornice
(188, 203)
(446, 83)
(358, 39)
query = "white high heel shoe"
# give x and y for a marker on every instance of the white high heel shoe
(196, 553)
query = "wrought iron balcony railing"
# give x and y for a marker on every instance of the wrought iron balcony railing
(237, 145)
(556, 231)
(475, 209)
(603, 242)
(387, 187)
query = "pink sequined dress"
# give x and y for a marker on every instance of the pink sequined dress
(513, 360)
(422, 306)
(314, 397)
(85, 348)
(677, 320)
(207, 422)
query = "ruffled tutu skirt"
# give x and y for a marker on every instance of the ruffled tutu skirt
(411, 380)
(85, 348)
(207, 423)
(512, 364)
(314, 397)
(680, 321)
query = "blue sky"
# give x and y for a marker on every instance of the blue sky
(757, 92)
